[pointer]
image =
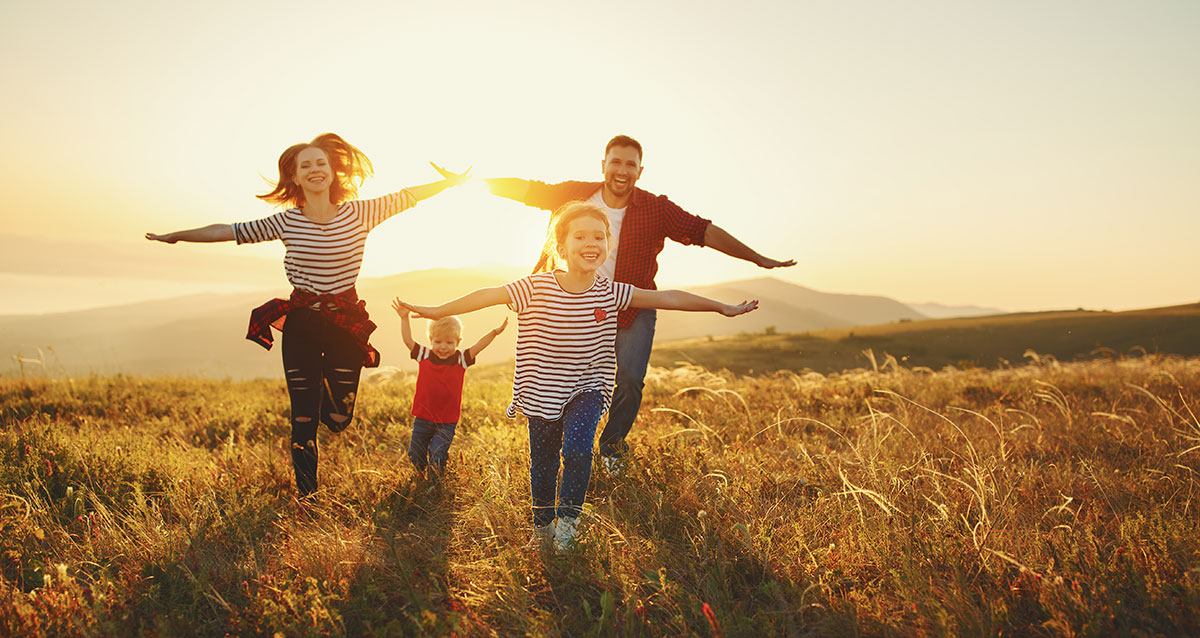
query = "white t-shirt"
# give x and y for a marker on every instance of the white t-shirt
(566, 342)
(615, 217)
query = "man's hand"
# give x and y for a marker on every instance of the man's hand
(767, 262)
(740, 309)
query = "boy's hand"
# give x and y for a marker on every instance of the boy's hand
(740, 309)
(400, 307)
(504, 325)
(425, 312)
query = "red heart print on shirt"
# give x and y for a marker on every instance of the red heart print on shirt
(600, 314)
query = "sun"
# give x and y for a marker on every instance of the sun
(463, 227)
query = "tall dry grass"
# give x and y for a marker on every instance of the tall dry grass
(1046, 499)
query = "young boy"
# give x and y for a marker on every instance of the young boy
(438, 397)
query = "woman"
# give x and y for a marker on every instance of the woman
(325, 325)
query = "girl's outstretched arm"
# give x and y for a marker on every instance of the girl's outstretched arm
(682, 300)
(486, 339)
(425, 191)
(470, 302)
(210, 233)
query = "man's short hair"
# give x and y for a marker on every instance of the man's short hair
(623, 140)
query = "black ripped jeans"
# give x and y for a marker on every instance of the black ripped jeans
(322, 364)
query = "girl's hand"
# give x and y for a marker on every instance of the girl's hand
(740, 309)
(504, 325)
(169, 238)
(455, 179)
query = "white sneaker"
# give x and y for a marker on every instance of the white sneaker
(611, 465)
(565, 532)
(543, 535)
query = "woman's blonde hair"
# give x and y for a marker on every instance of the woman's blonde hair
(556, 234)
(350, 167)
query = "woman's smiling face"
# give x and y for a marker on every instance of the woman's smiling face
(313, 172)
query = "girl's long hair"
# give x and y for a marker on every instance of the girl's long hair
(556, 233)
(350, 167)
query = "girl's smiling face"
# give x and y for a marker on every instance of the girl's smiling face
(586, 245)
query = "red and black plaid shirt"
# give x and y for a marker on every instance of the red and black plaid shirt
(649, 220)
(344, 310)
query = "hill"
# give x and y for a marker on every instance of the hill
(967, 342)
(202, 335)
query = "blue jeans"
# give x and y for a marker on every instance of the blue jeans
(573, 433)
(430, 444)
(633, 356)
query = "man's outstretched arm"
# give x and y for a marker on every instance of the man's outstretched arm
(715, 237)
(513, 188)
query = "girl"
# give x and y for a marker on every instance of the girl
(325, 325)
(566, 357)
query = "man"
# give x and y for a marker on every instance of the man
(639, 222)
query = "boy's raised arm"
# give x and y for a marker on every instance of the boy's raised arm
(405, 326)
(486, 339)
(683, 300)
(470, 302)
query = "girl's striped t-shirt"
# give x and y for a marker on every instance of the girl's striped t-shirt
(324, 258)
(566, 342)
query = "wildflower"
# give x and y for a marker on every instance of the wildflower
(712, 620)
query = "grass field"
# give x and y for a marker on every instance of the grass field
(1042, 499)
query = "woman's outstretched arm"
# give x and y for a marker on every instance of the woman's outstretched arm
(207, 234)
(470, 302)
(425, 191)
(682, 300)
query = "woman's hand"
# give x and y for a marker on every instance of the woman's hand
(455, 179)
(739, 309)
(169, 238)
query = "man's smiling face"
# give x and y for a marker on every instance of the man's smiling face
(622, 168)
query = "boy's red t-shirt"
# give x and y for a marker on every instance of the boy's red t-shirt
(438, 397)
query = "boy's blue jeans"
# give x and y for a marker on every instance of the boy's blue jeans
(573, 433)
(633, 357)
(430, 444)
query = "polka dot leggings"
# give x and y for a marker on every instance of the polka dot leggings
(573, 433)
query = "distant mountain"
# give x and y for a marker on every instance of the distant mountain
(993, 341)
(785, 306)
(942, 311)
(203, 335)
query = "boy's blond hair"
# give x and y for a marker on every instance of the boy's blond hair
(446, 324)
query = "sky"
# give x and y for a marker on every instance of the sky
(1021, 155)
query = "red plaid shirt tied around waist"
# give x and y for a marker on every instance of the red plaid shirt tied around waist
(344, 310)
(649, 220)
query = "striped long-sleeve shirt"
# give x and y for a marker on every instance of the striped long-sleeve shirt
(566, 342)
(324, 258)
